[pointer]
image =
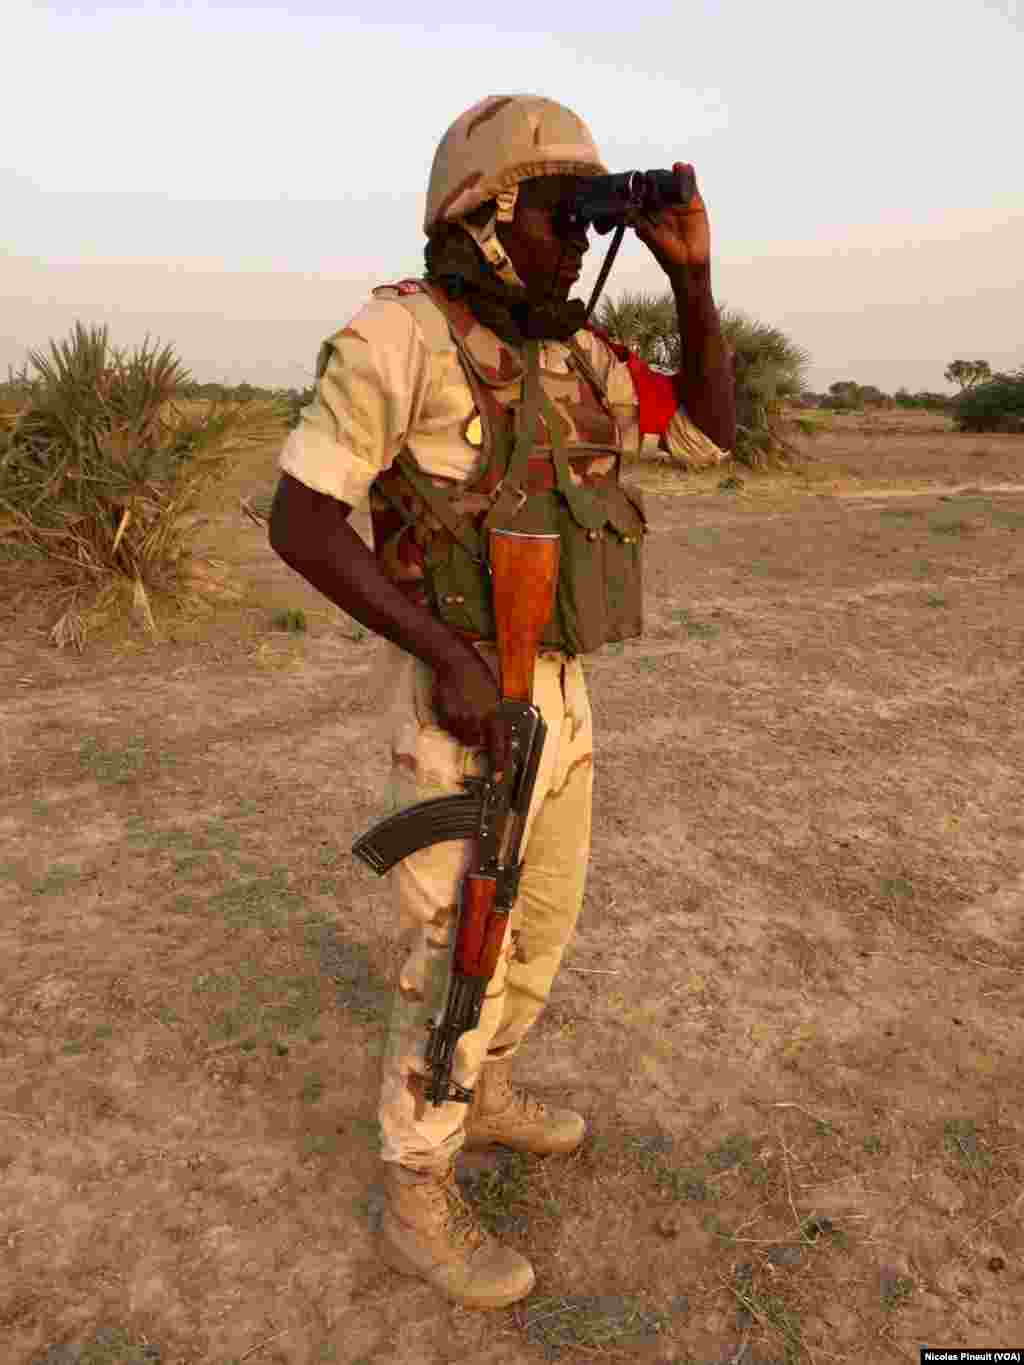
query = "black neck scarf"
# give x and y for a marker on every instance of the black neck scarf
(455, 262)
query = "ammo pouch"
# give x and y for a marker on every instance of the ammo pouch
(578, 496)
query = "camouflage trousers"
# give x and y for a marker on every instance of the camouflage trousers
(428, 762)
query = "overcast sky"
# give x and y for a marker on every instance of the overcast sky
(234, 179)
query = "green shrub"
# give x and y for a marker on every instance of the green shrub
(997, 405)
(293, 620)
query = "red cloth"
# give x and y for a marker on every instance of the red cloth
(657, 394)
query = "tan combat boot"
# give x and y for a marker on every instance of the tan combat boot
(427, 1229)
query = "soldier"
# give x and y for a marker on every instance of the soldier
(419, 402)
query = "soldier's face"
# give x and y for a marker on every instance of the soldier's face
(547, 263)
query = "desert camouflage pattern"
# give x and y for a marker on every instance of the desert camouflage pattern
(392, 378)
(428, 762)
(411, 376)
(404, 526)
(499, 142)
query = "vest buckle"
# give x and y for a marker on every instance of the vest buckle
(499, 488)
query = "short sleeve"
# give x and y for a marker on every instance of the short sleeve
(659, 407)
(372, 377)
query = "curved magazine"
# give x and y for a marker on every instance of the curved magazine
(416, 827)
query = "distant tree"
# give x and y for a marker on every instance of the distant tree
(297, 400)
(933, 402)
(966, 373)
(207, 391)
(844, 393)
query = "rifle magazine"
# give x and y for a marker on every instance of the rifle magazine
(437, 821)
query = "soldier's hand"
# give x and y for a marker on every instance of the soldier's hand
(466, 699)
(678, 235)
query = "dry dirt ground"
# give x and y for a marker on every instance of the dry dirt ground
(792, 1013)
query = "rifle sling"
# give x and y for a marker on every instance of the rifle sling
(510, 497)
(580, 500)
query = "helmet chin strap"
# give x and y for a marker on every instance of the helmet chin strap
(494, 253)
(486, 238)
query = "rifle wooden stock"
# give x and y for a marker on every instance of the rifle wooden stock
(524, 573)
(481, 931)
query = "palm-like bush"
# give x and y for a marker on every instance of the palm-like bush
(646, 323)
(769, 370)
(102, 471)
(768, 367)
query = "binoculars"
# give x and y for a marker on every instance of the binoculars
(609, 201)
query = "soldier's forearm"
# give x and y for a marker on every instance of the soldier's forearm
(336, 561)
(705, 377)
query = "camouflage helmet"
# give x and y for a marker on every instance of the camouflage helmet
(493, 146)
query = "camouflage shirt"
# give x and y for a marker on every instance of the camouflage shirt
(382, 386)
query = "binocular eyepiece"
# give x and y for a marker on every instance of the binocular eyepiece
(607, 201)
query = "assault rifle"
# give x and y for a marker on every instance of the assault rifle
(524, 571)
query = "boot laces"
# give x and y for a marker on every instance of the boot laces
(520, 1104)
(529, 1106)
(461, 1218)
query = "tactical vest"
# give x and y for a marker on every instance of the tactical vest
(550, 458)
